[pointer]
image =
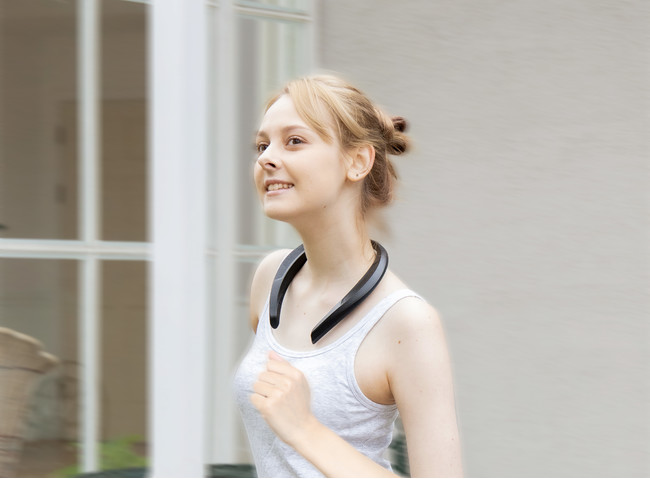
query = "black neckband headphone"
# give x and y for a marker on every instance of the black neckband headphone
(296, 260)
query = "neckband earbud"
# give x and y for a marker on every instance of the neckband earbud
(296, 260)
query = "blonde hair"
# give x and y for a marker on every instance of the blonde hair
(357, 121)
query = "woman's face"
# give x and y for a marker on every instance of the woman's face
(297, 172)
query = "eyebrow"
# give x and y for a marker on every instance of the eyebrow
(283, 130)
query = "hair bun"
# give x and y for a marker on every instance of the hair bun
(400, 124)
(398, 142)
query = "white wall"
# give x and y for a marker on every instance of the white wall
(523, 213)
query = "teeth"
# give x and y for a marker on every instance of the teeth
(278, 186)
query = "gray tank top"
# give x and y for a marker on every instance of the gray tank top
(337, 400)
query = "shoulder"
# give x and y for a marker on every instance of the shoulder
(411, 318)
(412, 314)
(262, 281)
(407, 316)
(412, 333)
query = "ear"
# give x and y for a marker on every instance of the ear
(361, 161)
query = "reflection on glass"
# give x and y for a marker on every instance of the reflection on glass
(124, 361)
(275, 53)
(38, 118)
(37, 81)
(38, 302)
(124, 132)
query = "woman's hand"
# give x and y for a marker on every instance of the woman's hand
(282, 396)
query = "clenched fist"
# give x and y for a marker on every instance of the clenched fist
(281, 395)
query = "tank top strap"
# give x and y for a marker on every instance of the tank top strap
(377, 312)
(263, 321)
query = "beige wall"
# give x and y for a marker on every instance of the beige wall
(523, 213)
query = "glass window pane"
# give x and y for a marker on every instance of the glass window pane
(124, 362)
(124, 124)
(275, 53)
(38, 299)
(37, 83)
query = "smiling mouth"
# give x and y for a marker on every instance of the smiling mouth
(278, 186)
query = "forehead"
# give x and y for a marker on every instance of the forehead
(281, 113)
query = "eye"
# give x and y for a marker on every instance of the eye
(260, 147)
(294, 140)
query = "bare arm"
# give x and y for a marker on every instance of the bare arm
(421, 383)
(334, 457)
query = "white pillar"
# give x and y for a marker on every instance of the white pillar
(178, 323)
(89, 141)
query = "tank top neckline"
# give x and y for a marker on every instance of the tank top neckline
(284, 351)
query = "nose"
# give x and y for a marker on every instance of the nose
(267, 159)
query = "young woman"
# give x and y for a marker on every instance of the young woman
(325, 404)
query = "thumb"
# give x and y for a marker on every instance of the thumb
(275, 356)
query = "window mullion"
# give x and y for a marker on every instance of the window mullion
(88, 161)
(224, 414)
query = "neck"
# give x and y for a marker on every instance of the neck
(339, 251)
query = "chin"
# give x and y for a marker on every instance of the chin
(279, 214)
